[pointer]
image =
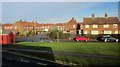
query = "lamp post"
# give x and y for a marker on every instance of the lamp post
(57, 36)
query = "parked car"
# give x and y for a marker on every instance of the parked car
(107, 38)
(81, 38)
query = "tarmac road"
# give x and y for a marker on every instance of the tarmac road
(12, 60)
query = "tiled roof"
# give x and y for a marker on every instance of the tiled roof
(47, 24)
(26, 23)
(100, 20)
(7, 24)
(72, 21)
(60, 24)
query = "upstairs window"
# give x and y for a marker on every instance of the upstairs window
(86, 26)
(106, 25)
(73, 26)
(115, 25)
(95, 26)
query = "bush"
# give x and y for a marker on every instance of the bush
(53, 34)
(67, 35)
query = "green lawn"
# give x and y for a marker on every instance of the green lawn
(75, 47)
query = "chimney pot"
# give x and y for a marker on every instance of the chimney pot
(106, 15)
(93, 15)
(20, 20)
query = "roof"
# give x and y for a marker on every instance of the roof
(60, 24)
(100, 20)
(7, 24)
(24, 23)
(48, 24)
(72, 21)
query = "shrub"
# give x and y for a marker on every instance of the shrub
(53, 34)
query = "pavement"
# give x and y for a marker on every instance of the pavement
(14, 60)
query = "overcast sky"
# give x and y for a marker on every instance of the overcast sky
(55, 12)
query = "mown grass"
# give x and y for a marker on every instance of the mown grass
(75, 47)
(87, 61)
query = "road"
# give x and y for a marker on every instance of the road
(14, 60)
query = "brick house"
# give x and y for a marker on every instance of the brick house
(71, 25)
(21, 26)
(7, 26)
(91, 25)
(100, 25)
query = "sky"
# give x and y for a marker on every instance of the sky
(55, 12)
(59, 0)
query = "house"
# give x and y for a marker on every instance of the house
(71, 25)
(24, 26)
(7, 26)
(100, 25)
(7, 37)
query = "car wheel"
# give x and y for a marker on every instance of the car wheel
(116, 40)
(105, 40)
(86, 40)
(77, 40)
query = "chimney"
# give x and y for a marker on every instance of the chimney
(72, 18)
(106, 15)
(93, 15)
(20, 20)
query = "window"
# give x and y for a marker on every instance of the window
(7, 27)
(86, 26)
(95, 32)
(73, 26)
(46, 30)
(115, 25)
(48, 27)
(107, 32)
(45, 27)
(61, 28)
(15, 27)
(95, 26)
(85, 32)
(10, 27)
(27, 27)
(106, 26)
(116, 32)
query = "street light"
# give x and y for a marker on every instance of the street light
(57, 36)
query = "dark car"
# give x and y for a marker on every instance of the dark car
(107, 38)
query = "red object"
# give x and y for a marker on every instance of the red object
(7, 38)
(82, 38)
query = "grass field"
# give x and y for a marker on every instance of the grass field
(100, 48)
(77, 47)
